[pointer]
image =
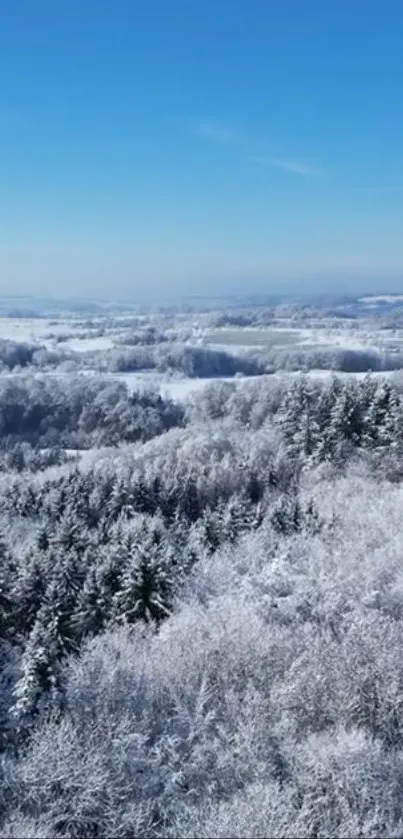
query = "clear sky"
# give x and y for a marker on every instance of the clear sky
(162, 146)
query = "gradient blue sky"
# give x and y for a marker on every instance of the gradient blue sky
(162, 146)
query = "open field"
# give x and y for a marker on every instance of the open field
(92, 345)
(244, 337)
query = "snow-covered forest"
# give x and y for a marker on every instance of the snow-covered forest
(201, 601)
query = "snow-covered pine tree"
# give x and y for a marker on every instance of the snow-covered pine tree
(383, 418)
(145, 587)
(39, 682)
(297, 420)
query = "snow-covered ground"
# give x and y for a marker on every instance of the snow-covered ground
(382, 298)
(88, 344)
(33, 329)
(236, 348)
(348, 337)
(352, 336)
(46, 331)
(339, 339)
(180, 389)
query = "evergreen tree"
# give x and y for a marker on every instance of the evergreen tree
(39, 682)
(287, 517)
(30, 591)
(43, 538)
(345, 424)
(145, 591)
(93, 606)
(8, 579)
(70, 533)
(328, 437)
(297, 418)
(214, 527)
(383, 418)
(189, 503)
(66, 579)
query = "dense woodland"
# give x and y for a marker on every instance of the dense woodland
(201, 609)
(174, 352)
(79, 412)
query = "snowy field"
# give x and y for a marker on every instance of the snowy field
(88, 344)
(350, 336)
(251, 337)
(66, 333)
(81, 335)
(33, 330)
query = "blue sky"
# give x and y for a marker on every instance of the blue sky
(169, 146)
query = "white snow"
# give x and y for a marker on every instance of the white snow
(31, 329)
(88, 344)
(382, 298)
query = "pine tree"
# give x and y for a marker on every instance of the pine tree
(30, 592)
(145, 592)
(70, 533)
(287, 516)
(254, 487)
(8, 578)
(119, 501)
(142, 497)
(66, 577)
(93, 606)
(328, 432)
(383, 418)
(238, 515)
(213, 527)
(297, 418)
(189, 503)
(43, 538)
(39, 680)
(345, 424)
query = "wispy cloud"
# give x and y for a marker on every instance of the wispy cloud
(216, 132)
(299, 167)
(219, 132)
